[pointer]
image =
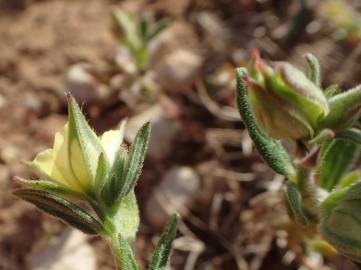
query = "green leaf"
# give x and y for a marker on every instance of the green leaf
(128, 217)
(162, 251)
(161, 25)
(314, 69)
(341, 220)
(129, 27)
(61, 208)
(144, 25)
(350, 178)
(345, 110)
(127, 259)
(136, 160)
(294, 200)
(335, 159)
(272, 151)
(51, 186)
(352, 134)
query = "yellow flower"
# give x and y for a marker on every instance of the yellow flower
(73, 160)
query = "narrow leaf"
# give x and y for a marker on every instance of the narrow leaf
(272, 151)
(314, 69)
(345, 110)
(295, 203)
(350, 178)
(116, 179)
(50, 186)
(161, 25)
(136, 159)
(61, 208)
(144, 24)
(128, 26)
(162, 251)
(352, 134)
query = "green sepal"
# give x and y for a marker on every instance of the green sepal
(276, 117)
(116, 179)
(62, 209)
(136, 159)
(313, 69)
(163, 249)
(293, 86)
(272, 151)
(81, 133)
(51, 186)
(336, 157)
(101, 173)
(345, 110)
(294, 201)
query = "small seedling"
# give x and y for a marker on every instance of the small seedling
(136, 36)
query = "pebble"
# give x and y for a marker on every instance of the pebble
(164, 131)
(70, 251)
(176, 190)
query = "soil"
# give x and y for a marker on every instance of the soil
(41, 40)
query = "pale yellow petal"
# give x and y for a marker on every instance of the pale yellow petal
(111, 141)
(78, 164)
(44, 164)
(61, 157)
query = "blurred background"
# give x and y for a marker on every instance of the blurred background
(170, 62)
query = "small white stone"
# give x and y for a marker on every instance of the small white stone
(70, 251)
(83, 86)
(176, 190)
(163, 133)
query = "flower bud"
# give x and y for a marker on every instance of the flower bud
(341, 221)
(73, 160)
(285, 102)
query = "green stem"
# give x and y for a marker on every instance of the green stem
(117, 252)
(123, 253)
